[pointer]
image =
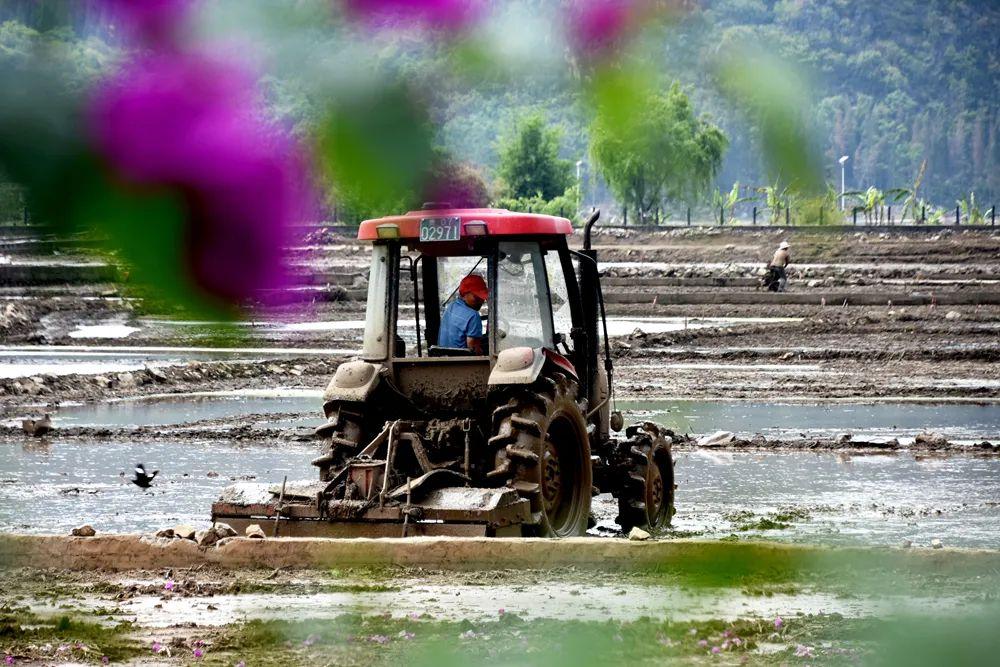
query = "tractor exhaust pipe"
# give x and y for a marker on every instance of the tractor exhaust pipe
(587, 226)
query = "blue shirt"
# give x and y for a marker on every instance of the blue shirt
(459, 322)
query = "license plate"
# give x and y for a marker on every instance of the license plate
(439, 229)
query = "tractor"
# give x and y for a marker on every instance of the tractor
(511, 437)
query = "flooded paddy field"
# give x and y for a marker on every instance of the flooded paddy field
(827, 497)
(208, 404)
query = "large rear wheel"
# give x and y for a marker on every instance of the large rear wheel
(542, 450)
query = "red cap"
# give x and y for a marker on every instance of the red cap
(473, 284)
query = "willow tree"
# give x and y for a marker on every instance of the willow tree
(659, 152)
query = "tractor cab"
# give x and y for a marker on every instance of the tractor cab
(531, 311)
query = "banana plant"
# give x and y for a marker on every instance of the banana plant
(729, 201)
(970, 210)
(775, 199)
(871, 202)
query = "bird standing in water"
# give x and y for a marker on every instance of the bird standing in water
(143, 479)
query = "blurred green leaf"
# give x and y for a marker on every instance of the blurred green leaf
(376, 146)
(776, 98)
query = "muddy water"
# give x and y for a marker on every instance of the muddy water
(175, 410)
(51, 487)
(614, 597)
(957, 421)
(839, 499)
(24, 361)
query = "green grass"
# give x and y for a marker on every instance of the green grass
(26, 636)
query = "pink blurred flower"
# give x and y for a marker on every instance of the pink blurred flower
(105, 660)
(501, 611)
(448, 15)
(598, 26)
(8, 660)
(169, 585)
(414, 615)
(151, 22)
(241, 663)
(198, 653)
(803, 651)
(715, 649)
(703, 643)
(778, 623)
(157, 647)
(191, 125)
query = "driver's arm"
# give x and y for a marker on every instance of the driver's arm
(475, 344)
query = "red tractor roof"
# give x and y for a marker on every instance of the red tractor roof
(497, 221)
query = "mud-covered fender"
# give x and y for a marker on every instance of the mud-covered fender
(353, 381)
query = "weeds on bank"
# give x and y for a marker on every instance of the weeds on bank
(27, 637)
(506, 640)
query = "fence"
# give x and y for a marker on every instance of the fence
(788, 216)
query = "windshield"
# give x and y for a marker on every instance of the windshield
(523, 313)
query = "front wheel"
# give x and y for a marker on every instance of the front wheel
(646, 499)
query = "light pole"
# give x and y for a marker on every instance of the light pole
(843, 161)
(579, 184)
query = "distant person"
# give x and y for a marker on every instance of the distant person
(777, 268)
(461, 326)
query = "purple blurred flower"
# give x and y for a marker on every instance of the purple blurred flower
(778, 623)
(241, 663)
(151, 22)
(8, 660)
(597, 26)
(169, 585)
(191, 125)
(703, 643)
(803, 651)
(198, 653)
(501, 611)
(414, 615)
(157, 647)
(715, 649)
(447, 15)
(105, 660)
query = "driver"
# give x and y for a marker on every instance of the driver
(461, 325)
